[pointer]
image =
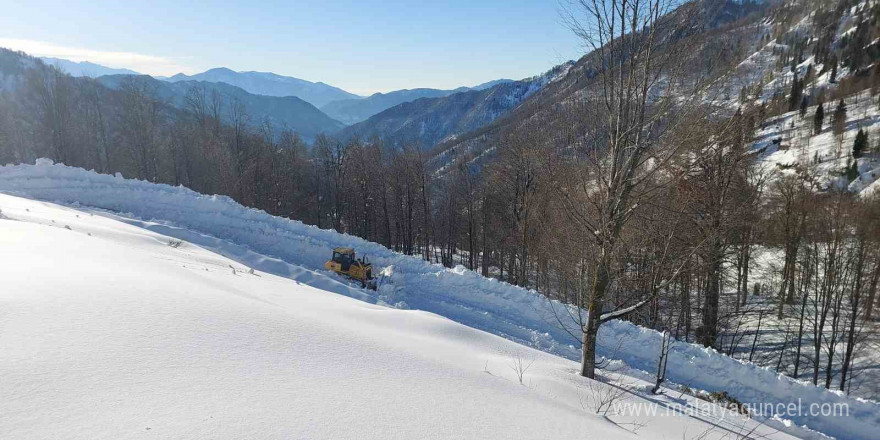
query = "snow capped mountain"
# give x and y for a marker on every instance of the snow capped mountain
(85, 68)
(271, 84)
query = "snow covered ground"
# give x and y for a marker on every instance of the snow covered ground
(109, 330)
(296, 251)
(776, 335)
(826, 154)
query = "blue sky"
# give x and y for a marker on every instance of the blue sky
(360, 46)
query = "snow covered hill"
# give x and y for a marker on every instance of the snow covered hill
(109, 330)
(107, 319)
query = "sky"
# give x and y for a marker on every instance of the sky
(360, 46)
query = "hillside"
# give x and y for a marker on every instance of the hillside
(266, 83)
(711, 35)
(428, 121)
(293, 250)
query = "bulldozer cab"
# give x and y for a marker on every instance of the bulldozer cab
(344, 256)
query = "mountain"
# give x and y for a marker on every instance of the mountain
(352, 111)
(85, 68)
(282, 111)
(270, 84)
(428, 121)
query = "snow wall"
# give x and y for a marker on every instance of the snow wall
(512, 312)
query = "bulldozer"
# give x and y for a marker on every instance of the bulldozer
(344, 262)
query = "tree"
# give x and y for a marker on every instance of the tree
(140, 122)
(838, 125)
(796, 94)
(51, 92)
(819, 118)
(602, 196)
(838, 120)
(715, 193)
(860, 144)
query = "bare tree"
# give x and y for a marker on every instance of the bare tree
(141, 118)
(632, 107)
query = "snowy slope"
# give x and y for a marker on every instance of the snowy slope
(290, 249)
(825, 154)
(108, 330)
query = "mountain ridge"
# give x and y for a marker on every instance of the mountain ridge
(270, 84)
(85, 68)
(352, 111)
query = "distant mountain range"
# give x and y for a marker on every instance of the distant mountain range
(282, 111)
(352, 111)
(270, 84)
(422, 115)
(85, 68)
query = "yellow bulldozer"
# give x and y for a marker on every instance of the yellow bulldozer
(345, 263)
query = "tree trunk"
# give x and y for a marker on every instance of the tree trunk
(745, 284)
(709, 331)
(594, 313)
(853, 317)
(872, 292)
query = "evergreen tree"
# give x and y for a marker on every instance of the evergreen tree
(838, 120)
(852, 171)
(819, 118)
(795, 97)
(804, 104)
(860, 144)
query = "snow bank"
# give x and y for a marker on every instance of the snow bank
(110, 333)
(461, 295)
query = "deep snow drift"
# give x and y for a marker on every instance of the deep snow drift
(108, 330)
(289, 249)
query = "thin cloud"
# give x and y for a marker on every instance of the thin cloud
(149, 64)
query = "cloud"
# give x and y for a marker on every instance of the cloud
(149, 64)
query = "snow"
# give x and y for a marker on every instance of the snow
(113, 331)
(774, 333)
(296, 251)
(801, 146)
